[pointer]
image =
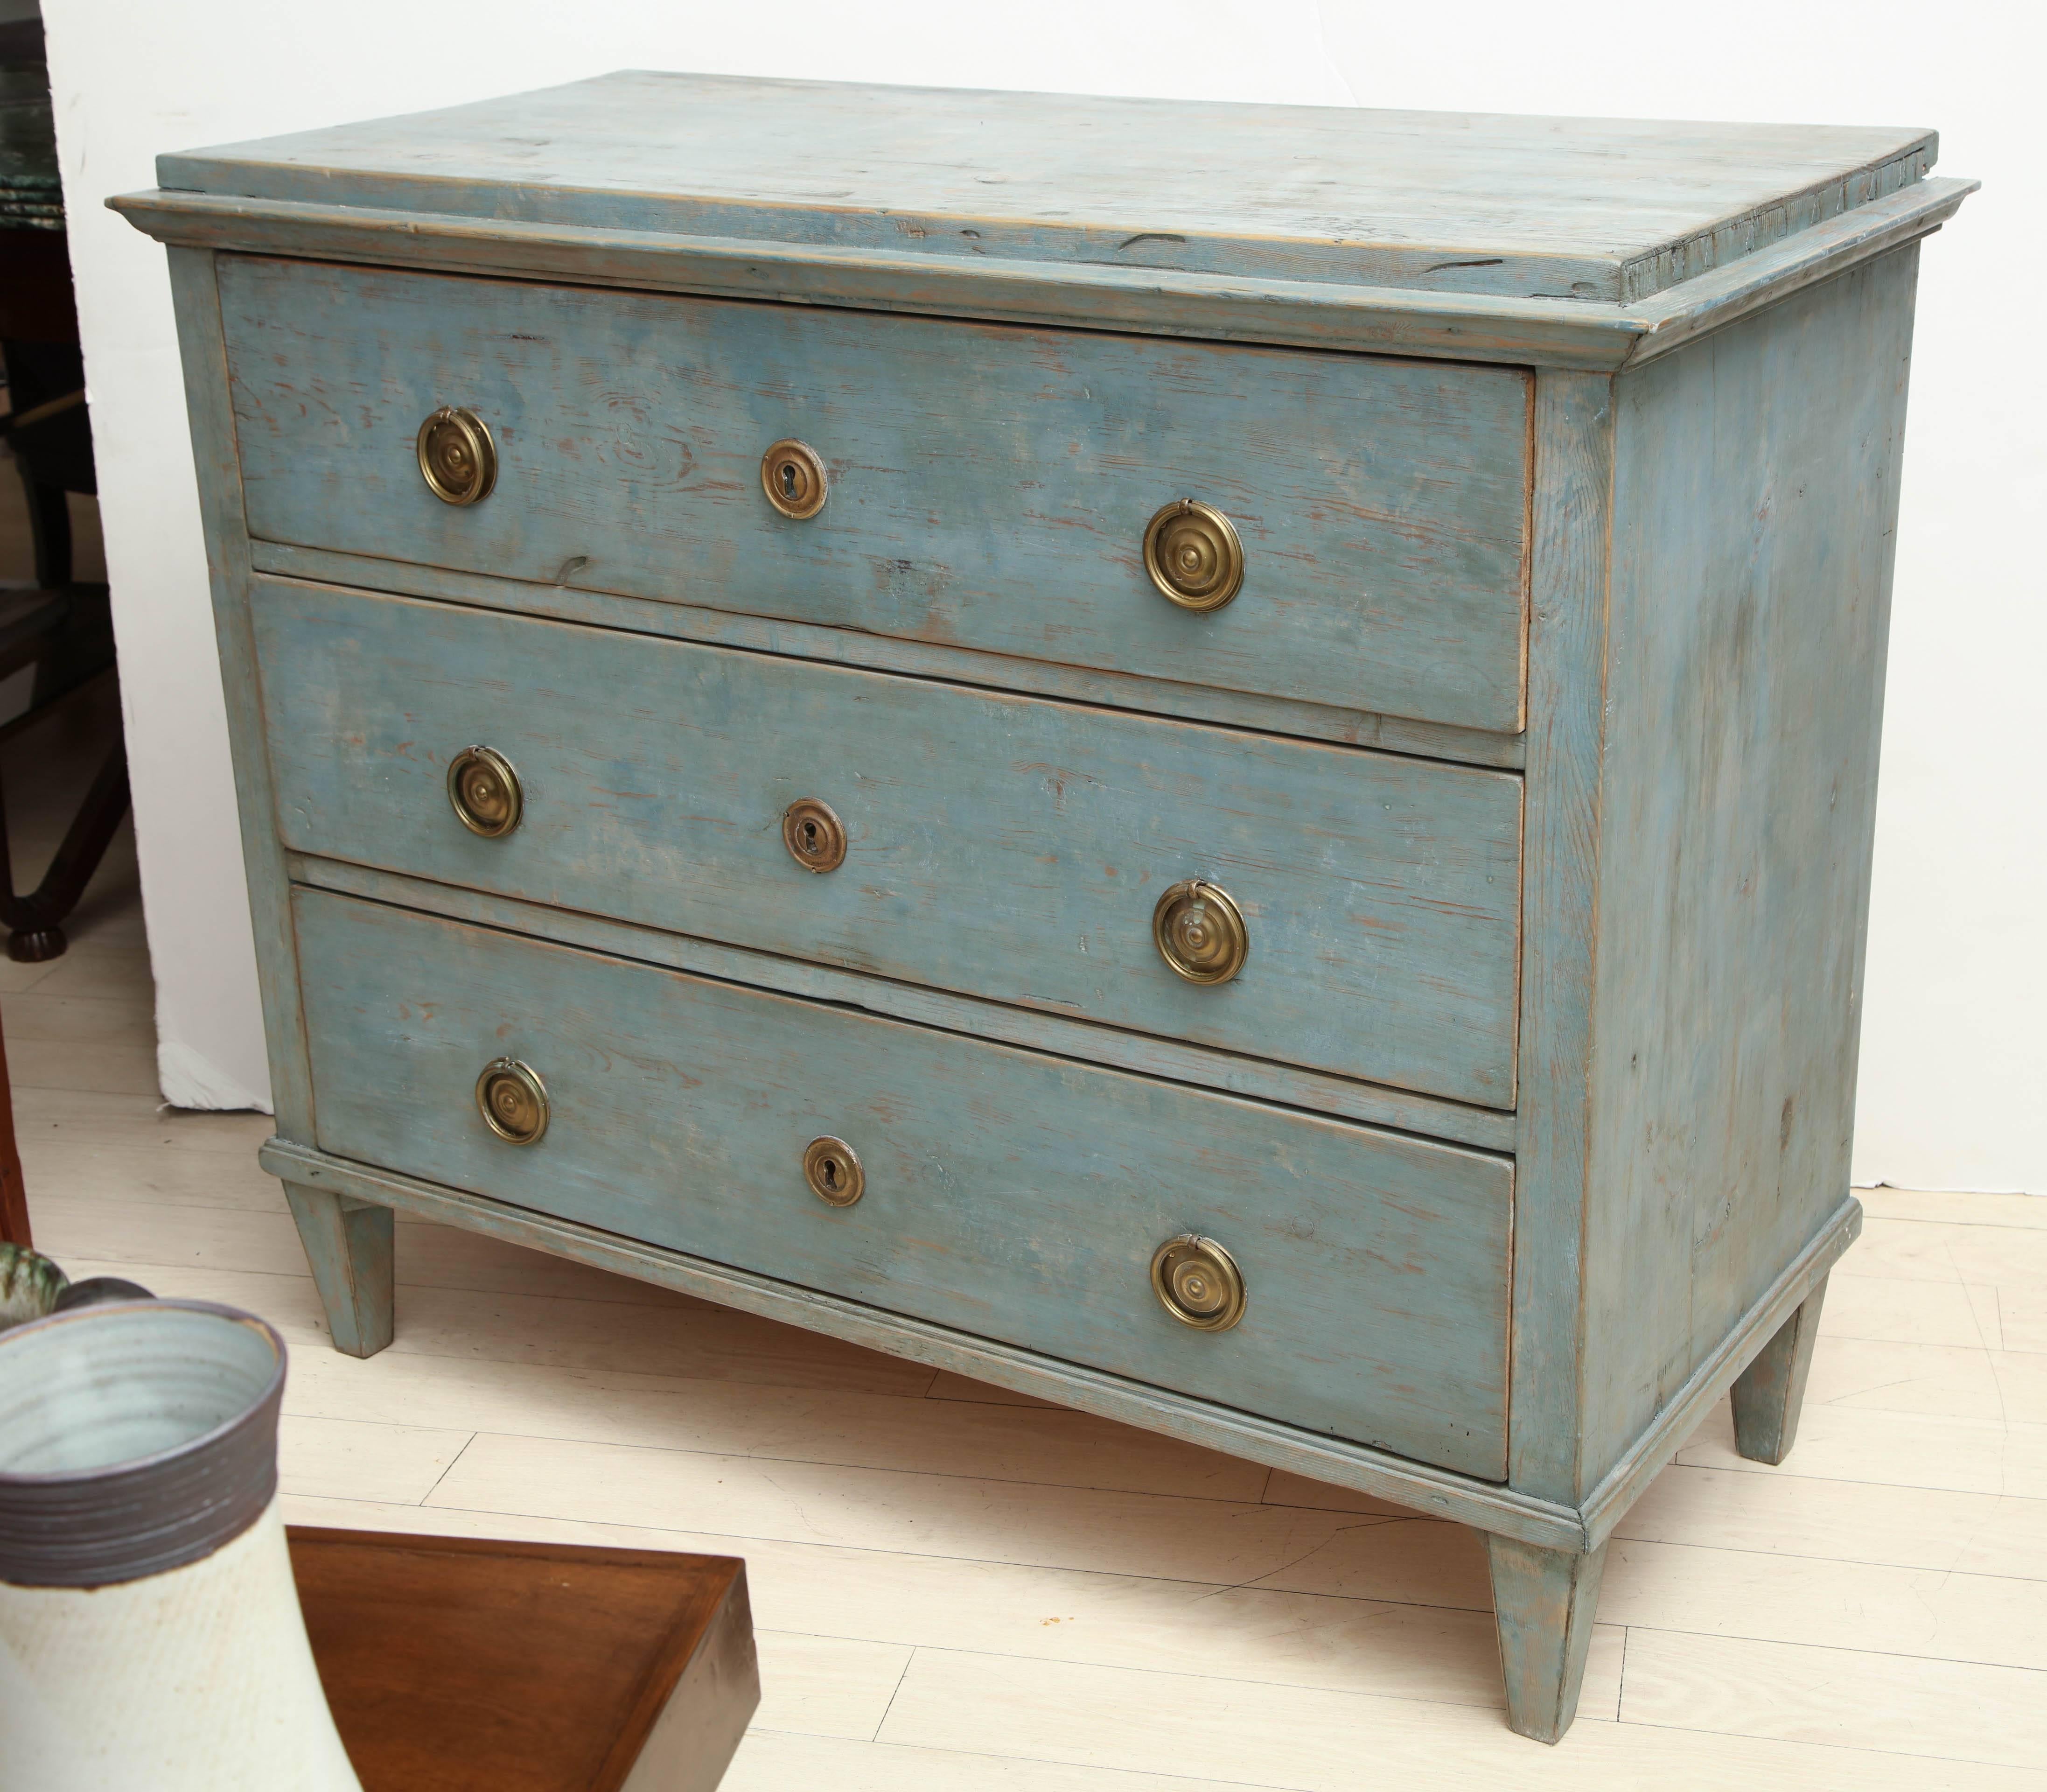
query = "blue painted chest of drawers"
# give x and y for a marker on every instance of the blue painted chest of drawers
(1216, 762)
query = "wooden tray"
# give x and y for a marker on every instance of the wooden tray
(455, 1665)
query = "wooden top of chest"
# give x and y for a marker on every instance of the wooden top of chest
(1498, 236)
(1584, 208)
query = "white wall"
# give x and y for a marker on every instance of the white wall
(1954, 1075)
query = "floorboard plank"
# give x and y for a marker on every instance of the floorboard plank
(2007, 1386)
(1893, 1450)
(94, 1117)
(1936, 1251)
(1931, 1613)
(1897, 1310)
(39, 1018)
(826, 1685)
(1158, 1723)
(1153, 1534)
(399, 1464)
(1786, 1514)
(690, 1343)
(1048, 1446)
(69, 1169)
(91, 968)
(771, 1762)
(1905, 1705)
(2028, 1210)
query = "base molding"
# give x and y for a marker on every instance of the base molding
(1664, 1435)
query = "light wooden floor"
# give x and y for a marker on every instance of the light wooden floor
(957, 1590)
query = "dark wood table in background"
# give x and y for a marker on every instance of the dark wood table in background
(461, 1665)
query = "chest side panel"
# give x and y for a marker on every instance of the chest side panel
(1011, 1195)
(1756, 497)
(989, 485)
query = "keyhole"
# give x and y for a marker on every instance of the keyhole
(831, 1175)
(810, 836)
(788, 480)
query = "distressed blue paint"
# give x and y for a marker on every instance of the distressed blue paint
(1012, 348)
(990, 485)
(998, 846)
(1531, 207)
(1014, 1195)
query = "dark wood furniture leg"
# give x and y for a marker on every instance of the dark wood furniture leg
(13, 1192)
(49, 531)
(32, 921)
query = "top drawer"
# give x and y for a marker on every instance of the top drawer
(989, 486)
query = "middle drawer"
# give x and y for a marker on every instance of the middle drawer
(1000, 846)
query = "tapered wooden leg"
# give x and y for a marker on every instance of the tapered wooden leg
(348, 1243)
(1772, 1388)
(13, 1194)
(1543, 1601)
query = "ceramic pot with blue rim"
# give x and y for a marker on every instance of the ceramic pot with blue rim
(150, 1634)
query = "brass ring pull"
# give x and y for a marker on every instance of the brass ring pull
(1193, 554)
(1200, 932)
(458, 459)
(512, 1101)
(832, 1168)
(813, 834)
(484, 791)
(793, 477)
(1198, 1283)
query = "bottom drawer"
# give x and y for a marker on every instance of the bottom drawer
(1009, 1194)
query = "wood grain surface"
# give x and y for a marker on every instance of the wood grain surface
(1559, 906)
(1587, 334)
(1537, 207)
(1755, 496)
(1000, 846)
(1543, 1602)
(1015, 1196)
(465, 1665)
(1150, 1053)
(990, 485)
(886, 653)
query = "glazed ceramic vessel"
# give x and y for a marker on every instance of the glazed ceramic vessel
(150, 1633)
(30, 1285)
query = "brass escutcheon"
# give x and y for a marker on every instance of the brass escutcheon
(813, 834)
(484, 791)
(832, 1168)
(1198, 1283)
(793, 477)
(1200, 931)
(1192, 551)
(512, 1101)
(457, 458)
